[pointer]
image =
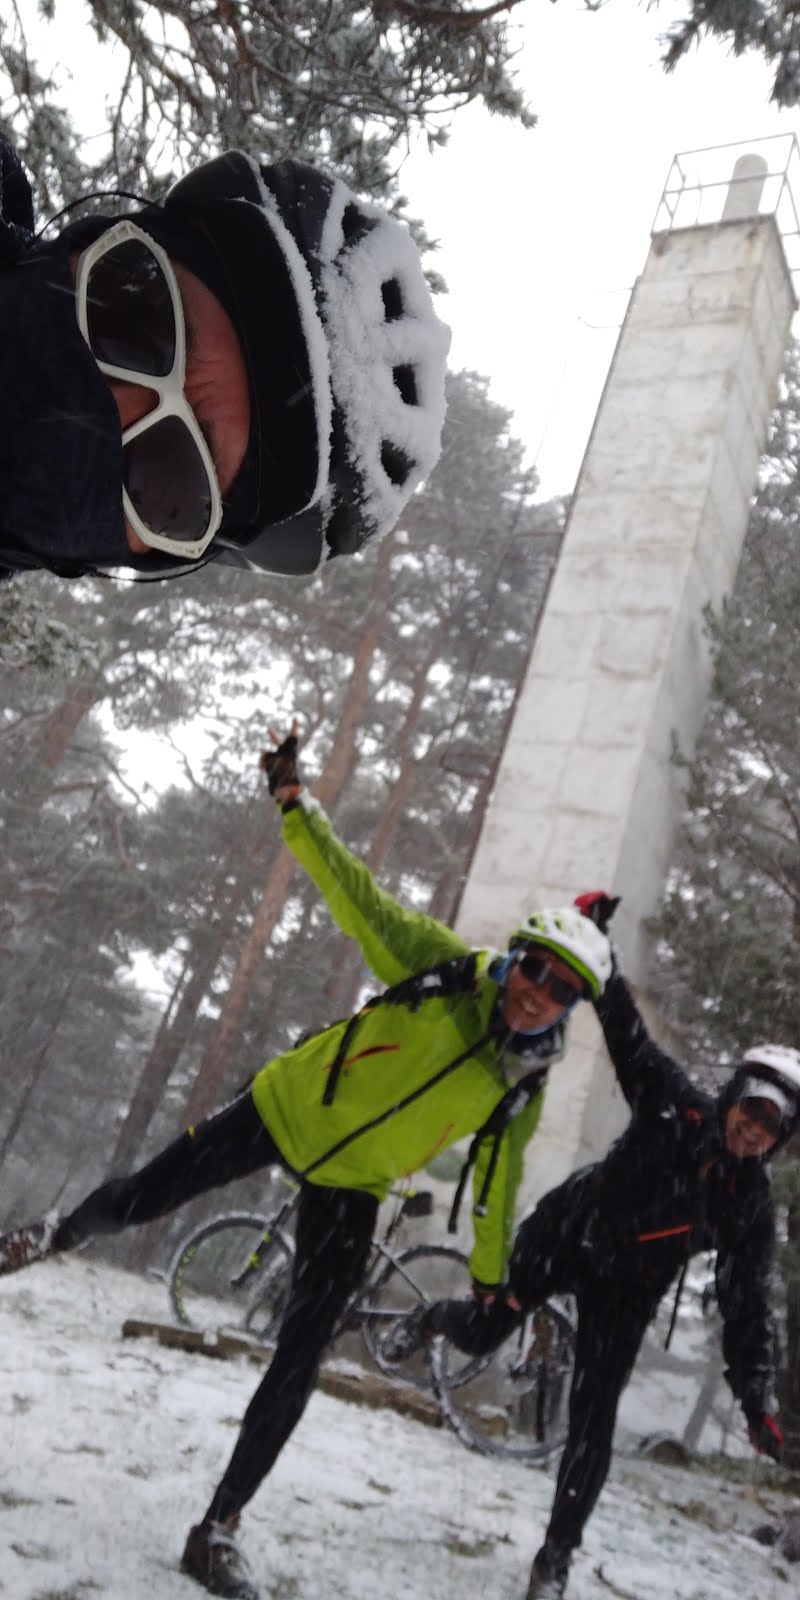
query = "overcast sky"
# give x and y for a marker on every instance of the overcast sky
(543, 233)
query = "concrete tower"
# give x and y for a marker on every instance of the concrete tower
(586, 795)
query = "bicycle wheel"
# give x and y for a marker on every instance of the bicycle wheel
(422, 1272)
(232, 1273)
(517, 1405)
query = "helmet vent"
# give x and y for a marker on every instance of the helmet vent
(392, 296)
(355, 224)
(395, 462)
(406, 380)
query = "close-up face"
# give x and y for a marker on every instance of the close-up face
(215, 387)
(526, 1005)
(746, 1134)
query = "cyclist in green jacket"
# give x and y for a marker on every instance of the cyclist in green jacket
(458, 1043)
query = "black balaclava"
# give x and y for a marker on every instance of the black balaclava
(60, 441)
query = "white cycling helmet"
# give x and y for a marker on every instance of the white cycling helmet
(573, 937)
(345, 354)
(773, 1066)
(781, 1060)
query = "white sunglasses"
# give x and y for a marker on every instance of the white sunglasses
(131, 315)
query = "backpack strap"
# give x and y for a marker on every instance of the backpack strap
(400, 1105)
(453, 977)
(678, 1292)
(338, 1060)
(513, 1101)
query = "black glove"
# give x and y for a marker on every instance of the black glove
(598, 906)
(280, 765)
(764, 1433)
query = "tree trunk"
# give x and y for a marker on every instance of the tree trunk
(214, 1068)
(344, 990)
(57, 729)
(261, 1036)
(35, 1071)
(701, 1410)
(181, 1011)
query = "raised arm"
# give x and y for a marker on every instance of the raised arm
(646, 1074)
(394, 941)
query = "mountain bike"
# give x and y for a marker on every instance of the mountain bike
(516, 1404)
(233, 1273)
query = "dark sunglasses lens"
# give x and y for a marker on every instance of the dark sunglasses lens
(537, 970)
(166, 480)
(533, 968)
(129, 310)
(563, 993)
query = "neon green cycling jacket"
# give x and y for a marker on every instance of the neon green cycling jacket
(411, 1082)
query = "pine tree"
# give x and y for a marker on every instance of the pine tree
(771, 28)
(344, 84)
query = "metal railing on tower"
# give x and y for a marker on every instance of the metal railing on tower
(731, 182)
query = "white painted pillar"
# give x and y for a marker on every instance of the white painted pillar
(586, 796)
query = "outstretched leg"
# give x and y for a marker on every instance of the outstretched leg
(612, 1318)
(334, 1232)
(471, 1326)
(230, 1144)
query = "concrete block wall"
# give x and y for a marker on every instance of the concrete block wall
(586, 794)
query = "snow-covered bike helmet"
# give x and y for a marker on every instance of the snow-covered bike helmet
(344, 352)
(573, 937)
(770, 1072)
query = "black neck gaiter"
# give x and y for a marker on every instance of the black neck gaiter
(60, 441)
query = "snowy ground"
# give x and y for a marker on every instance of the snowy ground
(112, 1447)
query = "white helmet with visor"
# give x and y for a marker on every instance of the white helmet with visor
(772, 1072)
(573, 937)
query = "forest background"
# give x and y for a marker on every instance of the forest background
(156, 942)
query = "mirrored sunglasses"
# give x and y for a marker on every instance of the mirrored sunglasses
(131, 315)
(536, 969)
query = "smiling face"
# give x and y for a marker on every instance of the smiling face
(745, 1135)
(528, 1006)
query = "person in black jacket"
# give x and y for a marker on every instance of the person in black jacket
(688, 1174)
(251, 371)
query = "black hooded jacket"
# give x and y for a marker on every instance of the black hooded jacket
(16, 218)
(668, 1189)
(16, 199)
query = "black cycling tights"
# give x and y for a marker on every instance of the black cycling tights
(230, 1144)
(334, 1232)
